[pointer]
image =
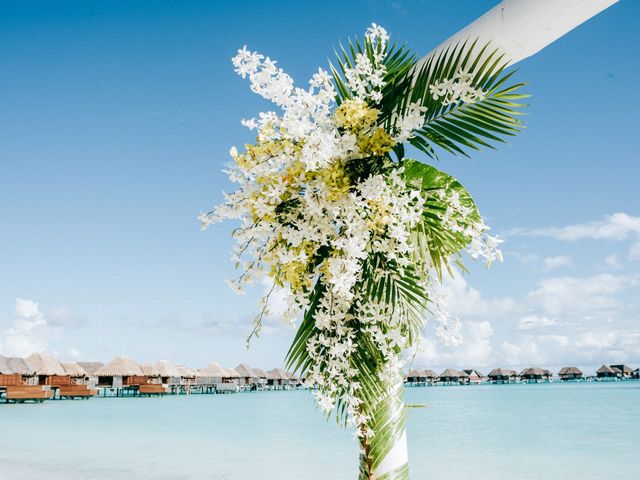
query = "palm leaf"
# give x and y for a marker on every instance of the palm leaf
(459, 127)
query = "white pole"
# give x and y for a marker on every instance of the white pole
(521, 28)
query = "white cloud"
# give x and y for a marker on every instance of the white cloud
(475, 350)
(562, 320)
(466, 301)
(612, 261)
(535, 321)
(551, 263)
(618, 226)
(634, 251)
(29, 332)
(572, 295)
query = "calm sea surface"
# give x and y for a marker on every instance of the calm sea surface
(551, 432)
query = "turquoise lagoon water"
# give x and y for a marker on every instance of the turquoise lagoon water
(552, 431)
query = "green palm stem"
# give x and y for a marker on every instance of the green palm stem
(383, 456)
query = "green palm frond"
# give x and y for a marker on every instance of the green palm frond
(399, 60)
(459, 127)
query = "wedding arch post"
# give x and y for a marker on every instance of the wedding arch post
(518, 29)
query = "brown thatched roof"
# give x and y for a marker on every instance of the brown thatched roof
(73, 369)
(19, 365)
(453, 373)
(570, 371)
(187, 372)
(160, 368)
(4, 366)
(45, 364)
(260, 373)
(605, 369)
(90, 367)
(231, 373)
(501, 372)
(245, 370)
(533, 371)
(422, 373)
(120, 367)
(212, 370)
(277, 374)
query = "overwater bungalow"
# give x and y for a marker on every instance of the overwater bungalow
(475, 376)
(452, 376)
(636, 373)
(187, 374)
(48, 369)
(20, 367)
(120, 372)
(535, 375)
(626, 371)
(91, 368)
(210, 375)
(7, 376)
(605, 372)
(262, 376)
(278, 378)
(502, 375)
(570, 373)
(421, 376)
(161, 372)
(230, 376)
(78, 375)
(248, 375)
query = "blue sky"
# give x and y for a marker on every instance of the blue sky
(115, 122)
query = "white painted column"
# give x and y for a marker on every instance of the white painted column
(521, 28)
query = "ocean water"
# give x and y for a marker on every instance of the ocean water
(585, 431)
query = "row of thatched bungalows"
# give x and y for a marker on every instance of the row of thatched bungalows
(451, 376)
(125, 376)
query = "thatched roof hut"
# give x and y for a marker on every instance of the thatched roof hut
(231, 373)
(73, 369)
(535, 374)
(453, 375)
(278, 376)
(45, 364)
(90, 367)
(260, 373)
(418, 375)
(120, 367)
(502, 375)
(475, 376)
(500, 372)
(607, 371)
(245, 371)
(570, 373)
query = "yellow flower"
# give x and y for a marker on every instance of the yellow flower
(355, 115)
(378, 143)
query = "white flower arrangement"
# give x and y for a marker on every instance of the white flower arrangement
(358, 239)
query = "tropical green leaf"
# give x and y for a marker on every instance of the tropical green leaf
(461, 126)
(434, 243)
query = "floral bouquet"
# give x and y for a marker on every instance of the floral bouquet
(357, 235)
